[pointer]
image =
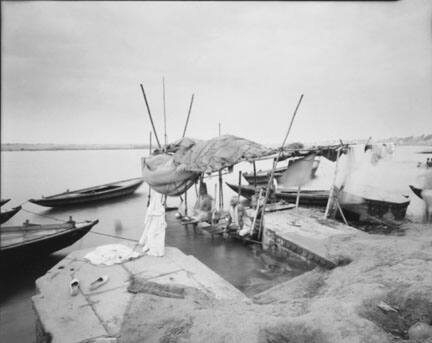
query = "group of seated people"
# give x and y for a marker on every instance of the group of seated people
(238, 219)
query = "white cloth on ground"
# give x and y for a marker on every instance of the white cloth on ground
(111, 254)
(153, 237)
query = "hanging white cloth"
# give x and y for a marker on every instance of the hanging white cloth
(153, 237)
(298, 173)
(111, 254)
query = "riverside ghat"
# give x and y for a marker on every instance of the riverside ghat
(362, 287)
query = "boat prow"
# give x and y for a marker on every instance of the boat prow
(6, 215)
(31, 241)
(3, 201)
(416, 191)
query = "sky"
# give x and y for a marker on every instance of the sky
(71, 70)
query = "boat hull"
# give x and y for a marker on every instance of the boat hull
(5, 216)
(366, 209)
(3, 201)
(316, 198)
(42, 246)
(71, 200)
(262, 177)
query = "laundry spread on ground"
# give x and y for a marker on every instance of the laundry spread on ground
(111, 254)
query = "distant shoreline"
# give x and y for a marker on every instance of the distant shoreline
(71, 147)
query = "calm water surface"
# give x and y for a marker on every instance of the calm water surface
(26, 175)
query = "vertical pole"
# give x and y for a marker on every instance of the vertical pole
(150, 151)
(150, 116)
(275, 161)
(298, 197)
(239, 185)
(164, 112)
(221, 202)
(186, 204)
(188, 116)
(254, 170)
(221, 205)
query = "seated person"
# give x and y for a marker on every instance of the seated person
(203, 206)
(236, 215)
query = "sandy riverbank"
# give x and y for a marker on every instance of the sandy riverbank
(318, 306)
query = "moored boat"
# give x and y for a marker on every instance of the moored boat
(91, 194)
(33, 240)
(6, 215)
(3, 201)
(317, 198)
(363, 206)
(262, 177)
(416, 191)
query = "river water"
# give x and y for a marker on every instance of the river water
(26, 175)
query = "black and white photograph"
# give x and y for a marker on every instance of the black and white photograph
(216, 172)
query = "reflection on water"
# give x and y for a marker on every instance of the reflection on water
(28, 175)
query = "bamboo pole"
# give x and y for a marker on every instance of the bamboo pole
(189, 112)
(164, 112)
(150, 116)
(221, 202)
(150, 150)
(275, 161)
(239, 185)
(254, 171)
(298, 197)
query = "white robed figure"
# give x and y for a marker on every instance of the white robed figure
(153, 237)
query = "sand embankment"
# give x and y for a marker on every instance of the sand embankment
(318, 306)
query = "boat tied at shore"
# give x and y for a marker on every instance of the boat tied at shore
(91, 194)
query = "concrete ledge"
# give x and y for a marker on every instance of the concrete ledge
(97, 316)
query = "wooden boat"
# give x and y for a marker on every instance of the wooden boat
(33, 240)
(91, 194)
(381, 205)
(262, 177)
(307, 197)
(3, 201)
(416, 191)
(6, 215)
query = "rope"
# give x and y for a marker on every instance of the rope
(113, 236)
(95, 232)
(44, 215)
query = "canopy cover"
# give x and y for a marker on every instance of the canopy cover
(214, 154)
(174, 170)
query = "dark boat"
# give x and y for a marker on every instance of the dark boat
(416, 191)
(373, 205)
(262, 177)
(33, 240)
(91, 194)
(317, 198)
(6, 215)
(3, 201)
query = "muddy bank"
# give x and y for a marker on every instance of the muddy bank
(319, 306)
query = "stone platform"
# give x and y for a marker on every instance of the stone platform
(97, 316)
(304, 232)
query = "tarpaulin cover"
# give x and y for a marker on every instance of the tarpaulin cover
(214, 154)
(165, 176)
